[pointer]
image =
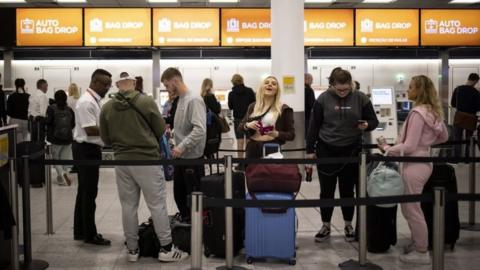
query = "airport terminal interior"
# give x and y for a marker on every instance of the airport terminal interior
(382, 44)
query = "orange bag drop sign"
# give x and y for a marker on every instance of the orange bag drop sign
(117, 27)
(246, 27)
(186, 27)
(328, 27)
(49, 27)
(450, 27)
(386, 27)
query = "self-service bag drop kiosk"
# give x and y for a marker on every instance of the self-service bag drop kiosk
(383, 101)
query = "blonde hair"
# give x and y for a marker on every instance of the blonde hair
(261, 106)
(237, 79)
(207, 86)
(427, 95)
(73, 91)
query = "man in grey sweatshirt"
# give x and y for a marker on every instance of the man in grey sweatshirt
(190, 124)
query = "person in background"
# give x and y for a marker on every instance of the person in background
(267, 120)
(131, 138)
(238, 100)
(37, 110)
(190, 137)
(73, 95)
(357, 85)
(60, 122)
(169, 108)
(17, 110)
(3, 110)
(465, 98)
(423, 128)
(88, 146)
(309, 99)
(339, 118)
(214, 131)
(139, 84)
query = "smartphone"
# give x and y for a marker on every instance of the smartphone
(270, 148)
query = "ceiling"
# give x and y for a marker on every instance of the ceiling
(243, 3)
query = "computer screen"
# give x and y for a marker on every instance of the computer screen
(382, 96)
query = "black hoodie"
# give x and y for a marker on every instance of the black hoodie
(239, 99)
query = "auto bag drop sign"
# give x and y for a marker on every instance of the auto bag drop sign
(186, 27)
(246, 27)
(117, 27)
(49, 27)
(386, 27)
(450, 27)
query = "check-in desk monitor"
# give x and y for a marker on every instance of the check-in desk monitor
(383, 101)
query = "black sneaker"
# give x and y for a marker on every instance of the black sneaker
(323, 234)
(349, 233)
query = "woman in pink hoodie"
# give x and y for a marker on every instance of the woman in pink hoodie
(424, 127)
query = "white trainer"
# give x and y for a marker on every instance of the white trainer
(132, 255)
(174, 255)
(416, 257)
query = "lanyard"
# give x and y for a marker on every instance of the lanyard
(93, 96)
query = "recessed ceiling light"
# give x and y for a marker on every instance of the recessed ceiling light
(464, 1)
(223, 1)
(71, 1)
(320, 1)
(162, 1)
(12, 1)
(379, 1)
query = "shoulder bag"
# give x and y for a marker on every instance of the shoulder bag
(464, 120)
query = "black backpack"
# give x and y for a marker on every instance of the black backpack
(62, 124)
(214, 134)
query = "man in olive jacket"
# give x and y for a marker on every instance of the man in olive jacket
(131, 138)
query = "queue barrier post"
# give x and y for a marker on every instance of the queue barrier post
(48, 189)
(438, 228)
(229, 218)
(471, 225)
(14, 260)
(362, 212)
(28, 263)
(197, 230)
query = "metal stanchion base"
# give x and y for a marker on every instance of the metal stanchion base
(34, 265)
(470, 227)
(233, 268)
(352, 264)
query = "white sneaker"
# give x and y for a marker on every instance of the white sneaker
(174, 255)
(416, 257)
(132, 255)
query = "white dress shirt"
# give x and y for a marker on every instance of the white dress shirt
(37, 103)
(87, 114)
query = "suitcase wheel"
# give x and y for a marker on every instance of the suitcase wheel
(292, 261)
(206, 252)
(249, 260)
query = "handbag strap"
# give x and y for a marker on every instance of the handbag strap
(135, 108)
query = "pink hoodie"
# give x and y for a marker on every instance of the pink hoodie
(423, 130)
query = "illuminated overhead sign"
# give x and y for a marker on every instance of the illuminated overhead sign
(246, 27)
(186, 27)
(386, 27)
(450, 27)
(328, 27)
(49, 27)
(117, 27)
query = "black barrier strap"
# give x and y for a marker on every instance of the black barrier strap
(422, 159)
(242, 151)
(462, 197)
(237, 203)
(448, 143)
(333, 160)
(35, 155)
(133, 162)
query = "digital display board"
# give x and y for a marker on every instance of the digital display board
(186, 27)
(246, 27)
(386, 27)
(49, 27)
(117, 27)
(450, 27)
(328, 27)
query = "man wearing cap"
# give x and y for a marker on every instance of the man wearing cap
(132, 135)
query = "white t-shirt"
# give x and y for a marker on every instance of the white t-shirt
(87, 114)
(37, 104)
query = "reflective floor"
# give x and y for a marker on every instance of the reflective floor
(62, 252)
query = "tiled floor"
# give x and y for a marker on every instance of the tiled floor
(62, 252)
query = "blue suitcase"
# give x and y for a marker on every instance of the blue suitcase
(270, 235)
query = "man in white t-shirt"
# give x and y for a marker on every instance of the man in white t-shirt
(37, 110)
(88, 146)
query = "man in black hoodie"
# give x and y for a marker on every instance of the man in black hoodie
(238, 100)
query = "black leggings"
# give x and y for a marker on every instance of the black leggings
(186, 179)
(347, 177)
